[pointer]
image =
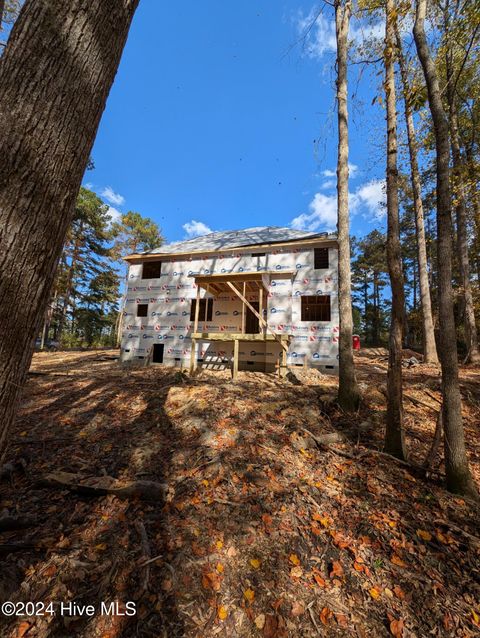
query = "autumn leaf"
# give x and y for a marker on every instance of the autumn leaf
(325, 615)
(220, 568)
(260, 621)
(298, 608)
(323, 520)
(255, 563)
(374, 593)
(296, 572)
(293, 558)
(342, 620)
(424, 535)
(476, 618)
(219, 544)
(249, 595)
(337, 570)
(398, 591)
(319, 580)
(222, 612)
(270, 629)
(396, 628)
(396, 560)
(211, 580)
(22, 629)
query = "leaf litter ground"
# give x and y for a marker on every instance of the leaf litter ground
(262, 532)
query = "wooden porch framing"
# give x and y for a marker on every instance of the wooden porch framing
(257, 282)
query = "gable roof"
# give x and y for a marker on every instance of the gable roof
(224, 240)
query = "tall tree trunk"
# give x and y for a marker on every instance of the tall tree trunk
(429, 345)
(394, 435)
(55, 76)
(459, 478)
(348, 391)
(471, 337)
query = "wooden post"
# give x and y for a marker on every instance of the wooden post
(283, 368)
(235, 359)
(193, 358)
(243, 308)
(260, 307)
(205, 314)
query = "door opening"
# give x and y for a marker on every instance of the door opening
(158, 352)
(252, 324)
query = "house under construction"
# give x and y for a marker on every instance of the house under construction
(255, 299)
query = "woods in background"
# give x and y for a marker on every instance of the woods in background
(85, 307)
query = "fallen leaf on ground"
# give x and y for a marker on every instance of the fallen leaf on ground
(249, 595)
(222, 612)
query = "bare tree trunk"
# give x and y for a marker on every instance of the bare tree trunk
(394, 434)
(471, 337)
(429, 345)
(348, 392)
(459, 478)
(55, 76)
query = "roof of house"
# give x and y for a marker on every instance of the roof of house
(224, 240)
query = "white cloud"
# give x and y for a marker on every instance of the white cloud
(329, 173)
(319, 36)
(369, 200)
(373, 197)
(195, 229)
(322, 215)
(111, 196)
(328, 184)
(352, 170)
(115, 214)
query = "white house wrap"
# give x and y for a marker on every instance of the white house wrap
(288, 277)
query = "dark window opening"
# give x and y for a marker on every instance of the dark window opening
(157, 356)
(151, 269)
(142, 310)
(321, 258)
(205, 310)
(258, 254)
(316, 308)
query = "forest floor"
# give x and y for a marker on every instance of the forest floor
(260, 533)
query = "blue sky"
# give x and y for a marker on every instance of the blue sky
(216, 121)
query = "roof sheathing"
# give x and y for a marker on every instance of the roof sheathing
(234, 240)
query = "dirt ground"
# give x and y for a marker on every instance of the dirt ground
(260, 532)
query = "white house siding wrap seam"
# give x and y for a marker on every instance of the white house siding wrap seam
(169, 300)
